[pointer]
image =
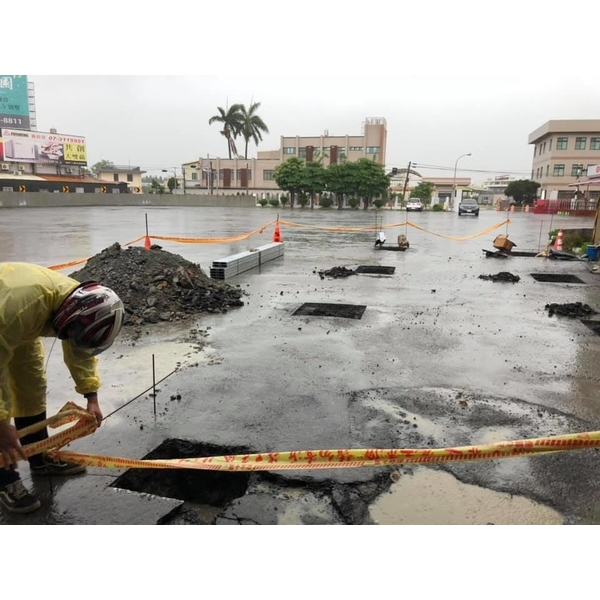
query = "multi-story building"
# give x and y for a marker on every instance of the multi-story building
(132, 176)
(255, 175)
(562, 152)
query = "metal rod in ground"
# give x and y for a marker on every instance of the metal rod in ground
(146, 224)
(154, 384)
(540, 240)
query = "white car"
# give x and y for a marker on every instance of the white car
(414, 204)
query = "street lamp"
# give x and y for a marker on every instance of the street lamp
(183, 175)
(454, 179)
(172, 170)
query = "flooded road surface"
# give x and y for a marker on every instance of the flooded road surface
(431, 497)
(439, 358)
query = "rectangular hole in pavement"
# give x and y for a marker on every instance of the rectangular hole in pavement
(212, 488)
(345, 311)
(557, 278)
(375, 269)
(593, 325)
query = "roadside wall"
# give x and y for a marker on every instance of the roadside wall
(50, 200)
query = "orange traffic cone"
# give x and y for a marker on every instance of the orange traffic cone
(147, 243)
(277, 234)
(558, 245)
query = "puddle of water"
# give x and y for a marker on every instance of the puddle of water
(431, 497)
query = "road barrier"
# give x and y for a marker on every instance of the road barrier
(85, 424)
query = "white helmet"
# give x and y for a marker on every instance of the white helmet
(90, 318)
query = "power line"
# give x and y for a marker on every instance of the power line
(466, 170)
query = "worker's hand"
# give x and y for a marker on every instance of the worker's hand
(10, 447)
(94, 408)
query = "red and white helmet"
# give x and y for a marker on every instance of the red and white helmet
(90, 318)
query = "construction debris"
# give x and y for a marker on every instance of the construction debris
(336, 272)
(504, 276)
(575, 310)
(156, 285)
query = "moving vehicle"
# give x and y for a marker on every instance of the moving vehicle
(468, 206)
(414, 204)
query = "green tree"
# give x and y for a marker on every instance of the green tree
(423, 191)
(522, 191)
(312, 180)
(288, 176)
(340, 179)
(156, 187)
(252, 125)
(102, 164)
(172, 184)
(231, 121)
(370, 179)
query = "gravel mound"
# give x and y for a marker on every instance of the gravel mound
(575, 310)
(337, 272)
(156, 285)
(502, 276)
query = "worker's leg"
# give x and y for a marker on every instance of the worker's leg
(28, 378)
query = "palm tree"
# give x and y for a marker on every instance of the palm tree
(252, 125)
(231, 119)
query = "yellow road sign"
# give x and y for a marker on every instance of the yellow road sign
(65, 189)
(22, 188)
(103, 189)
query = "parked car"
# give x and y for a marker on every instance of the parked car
(468, 206)
(414, 204)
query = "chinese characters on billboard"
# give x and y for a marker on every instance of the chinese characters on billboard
(43, 148)
(14, 102)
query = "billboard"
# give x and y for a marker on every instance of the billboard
(43, 148)
(14, 102)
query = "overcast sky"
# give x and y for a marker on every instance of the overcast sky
(449, 77)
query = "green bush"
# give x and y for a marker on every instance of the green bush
(353, 202)
(274, 201)
(438, 208)
(325, 202)
(283, 199)
(263, 202)
(302, 200)
(378, 203)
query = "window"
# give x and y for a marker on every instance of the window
(580, 143)
(576, 170)
(595, 143)
(239, 174)
(550, 145)
(544, 150)
(356, 148)
(562, 143)
(268, 175)
(115, 177)
(289, 150)
(302, 152)
(547, 170)
(534, 151)
(194, 176)
(130, 177)
(559, 170)
(373, 149)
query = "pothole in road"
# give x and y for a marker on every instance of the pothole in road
(376, 269)
(345, 311)
(557, 278)
(202, 487)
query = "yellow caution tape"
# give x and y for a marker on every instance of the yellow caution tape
(85, 423)
(461, 238)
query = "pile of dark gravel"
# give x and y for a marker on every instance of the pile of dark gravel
(575, 310)
(502, 276)
(156, 285)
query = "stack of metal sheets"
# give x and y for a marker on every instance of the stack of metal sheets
(244, 261)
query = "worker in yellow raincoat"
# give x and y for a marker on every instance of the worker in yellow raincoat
(37, 302)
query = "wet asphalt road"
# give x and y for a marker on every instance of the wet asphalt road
(433, 334)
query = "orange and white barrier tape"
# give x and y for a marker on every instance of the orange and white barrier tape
(301, 459)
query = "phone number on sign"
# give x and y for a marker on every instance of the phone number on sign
(11, 121)
(68, 140)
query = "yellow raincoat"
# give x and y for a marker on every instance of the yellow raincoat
(29, 296)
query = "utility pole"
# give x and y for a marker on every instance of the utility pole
(406, 183)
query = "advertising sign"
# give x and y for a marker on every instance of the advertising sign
(43, 148)
(14, 102)
(593, 171)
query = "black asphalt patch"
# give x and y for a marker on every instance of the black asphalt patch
(593, 325)
(316, 309)
(375, 269)
(557, 278)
